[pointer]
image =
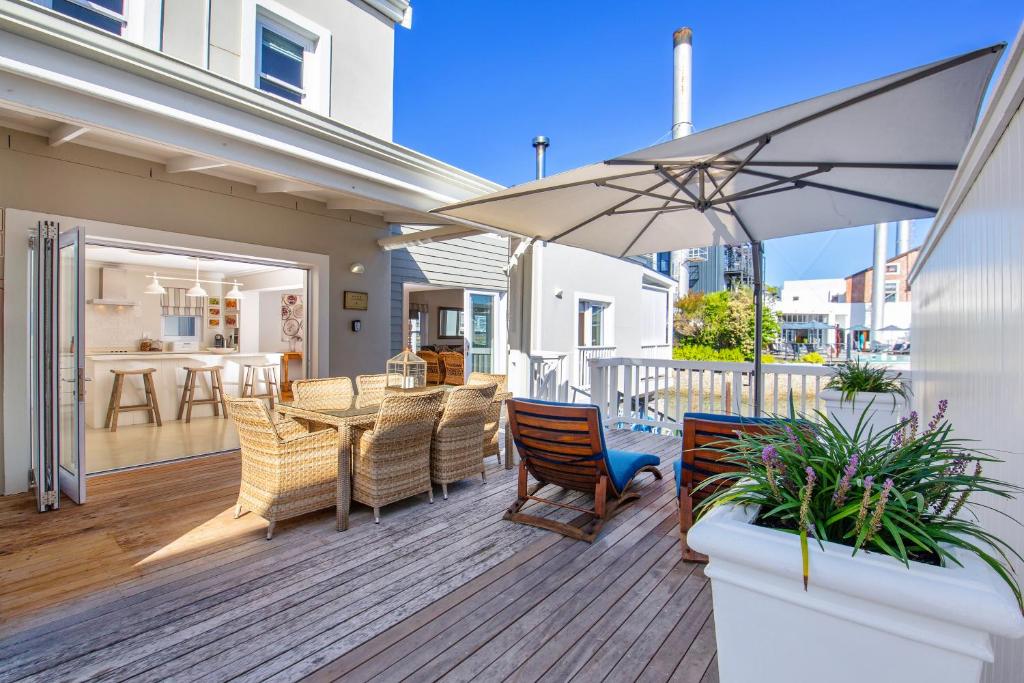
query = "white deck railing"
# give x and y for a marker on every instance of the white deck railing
(548, 378)
(585, 354)
(658, 392)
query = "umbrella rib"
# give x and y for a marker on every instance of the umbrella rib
(735, 214)
(768, 188)
(645, 193)
(739, 167)
(644, 229)
(728, 163)
(681, 184)
(610, 210)
(515, 195)
(854, 193)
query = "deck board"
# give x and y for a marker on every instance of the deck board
(154, 580)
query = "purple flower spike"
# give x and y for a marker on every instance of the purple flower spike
(937, 417)
(795, 441)
(839, 497)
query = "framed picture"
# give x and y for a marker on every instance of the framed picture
(214, 312)
(213, 301)
(357, 301)
(231, 320)
(231, 304)
(450, 323)
(213, 322)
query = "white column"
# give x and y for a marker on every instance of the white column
(903, 238)
(878, 280)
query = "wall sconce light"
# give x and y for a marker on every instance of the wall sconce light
(558, 293)
(357, 268)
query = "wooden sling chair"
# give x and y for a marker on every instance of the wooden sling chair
(706, 438)
(563, 445)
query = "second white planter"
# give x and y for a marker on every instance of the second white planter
(866, 617)
(882, 410)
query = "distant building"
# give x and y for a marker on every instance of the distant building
(821, 312)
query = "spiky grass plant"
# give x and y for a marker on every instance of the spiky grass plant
(905, 493)
(854, 377)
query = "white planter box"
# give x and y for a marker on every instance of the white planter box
(864, 618)
(882, 410)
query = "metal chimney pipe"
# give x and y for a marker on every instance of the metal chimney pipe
(682, 82)
(903, 238)
(878, 280)
(540, 143)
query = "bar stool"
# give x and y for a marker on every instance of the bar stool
(188, 392)
(268, 375)
(114, 407)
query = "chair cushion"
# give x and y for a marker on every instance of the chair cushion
(622, 466)
(677, 468)
(732, 419)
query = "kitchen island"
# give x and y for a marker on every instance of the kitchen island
(169, 380)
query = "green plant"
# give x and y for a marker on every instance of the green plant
(768, 358)
(854, 377)
(812, 357)
(723, 320)
(706, 353)
(906, 494)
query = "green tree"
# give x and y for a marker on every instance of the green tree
(723, 320)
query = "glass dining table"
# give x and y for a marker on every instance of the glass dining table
(355, 411)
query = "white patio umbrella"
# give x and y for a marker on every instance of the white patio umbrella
(877, 152)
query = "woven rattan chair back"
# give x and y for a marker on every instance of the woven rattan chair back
(488, 378)
(456, 452)
(433, 365)
(454, 367)
(373, 388)
(331, 393)
(255, 427)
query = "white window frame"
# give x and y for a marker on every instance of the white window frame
(895, 269)
(608, 321)
(315, 40)
(896, 291)
(133, 21)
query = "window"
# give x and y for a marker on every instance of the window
(664, 263)
(892, 268)
(417, 326)
(181, 327)
(108, 15)
(286, 55)
(892, 289)
(592, 321)
(449, 323)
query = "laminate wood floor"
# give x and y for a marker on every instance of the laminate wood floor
(153, 580)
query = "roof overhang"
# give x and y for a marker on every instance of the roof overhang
(71, 83)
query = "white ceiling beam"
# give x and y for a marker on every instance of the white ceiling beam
(282, 185)
(65, 133)
(190, 163)
(414, 239)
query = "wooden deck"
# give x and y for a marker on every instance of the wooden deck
(154, 580)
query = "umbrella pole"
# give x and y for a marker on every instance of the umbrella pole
(758, 256)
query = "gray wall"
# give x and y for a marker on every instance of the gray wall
(471, 263)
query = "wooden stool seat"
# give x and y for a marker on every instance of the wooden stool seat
(268, 375)
(188, 392)
(114, 407)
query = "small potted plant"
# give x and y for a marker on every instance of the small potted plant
(862, 391)
(840, 556)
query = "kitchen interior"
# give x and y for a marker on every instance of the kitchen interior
(150, 316)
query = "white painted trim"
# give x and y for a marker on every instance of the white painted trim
(609, 318)
(398, 11)
(1007, 97)
(138, 25)
(18, 224)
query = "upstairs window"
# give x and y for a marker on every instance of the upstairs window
(281, 59)
(108, 15)
(591, 324)
(892, 291)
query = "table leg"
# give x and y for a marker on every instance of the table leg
(344, 477)
(510, 448)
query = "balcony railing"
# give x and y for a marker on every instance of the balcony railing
(548, 378)
(585, 354)
(657, 392)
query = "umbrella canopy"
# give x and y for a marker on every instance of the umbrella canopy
(894, 328)
(881, 151)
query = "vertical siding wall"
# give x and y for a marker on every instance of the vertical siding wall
(471, 263)
(969, 335)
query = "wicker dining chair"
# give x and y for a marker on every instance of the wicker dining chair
(455, 452)
(434, 375)
(391, 457)
(493, 423)
(331, 393)
(373, 388)
(286, 470)
(453, 365)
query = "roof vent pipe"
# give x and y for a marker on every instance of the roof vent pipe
(540, 144)
(903, 239)
(682, 83)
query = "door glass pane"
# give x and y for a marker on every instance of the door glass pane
(482, 332)
(67, 349)
(597, 325)
(102, 20)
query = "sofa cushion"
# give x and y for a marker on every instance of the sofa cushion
(622, 466)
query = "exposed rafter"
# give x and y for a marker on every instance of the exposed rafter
(66, 133)
(191, 163)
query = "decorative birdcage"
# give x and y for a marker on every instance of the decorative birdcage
(407, 371)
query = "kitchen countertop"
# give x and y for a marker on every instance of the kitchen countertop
(156, 355)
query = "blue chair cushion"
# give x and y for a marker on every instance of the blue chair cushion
(732, 419)
(623, 465)
(677, 468)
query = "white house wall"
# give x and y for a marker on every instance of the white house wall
(969, 317)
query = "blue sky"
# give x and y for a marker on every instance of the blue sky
(475, 80)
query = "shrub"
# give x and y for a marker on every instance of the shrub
(853, 377)
(768, 358)
(906, 493)
(703, 352)
(812, 357)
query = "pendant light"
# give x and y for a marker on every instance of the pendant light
(197, 291)
(154, 287)
(234, 292)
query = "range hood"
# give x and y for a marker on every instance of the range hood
(113, 288)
